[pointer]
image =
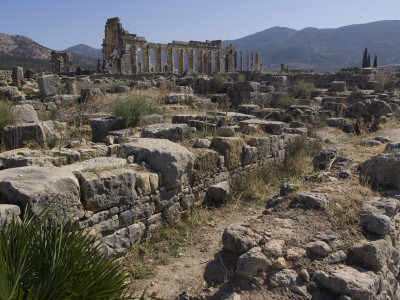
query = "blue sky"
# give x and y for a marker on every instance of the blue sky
(60, 24)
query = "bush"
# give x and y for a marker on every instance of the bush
(286, 101)
(242, 77)
(132, 109)
(301, 90)
(356, 70)
(43, 260)
(218, 82)
(6, 118)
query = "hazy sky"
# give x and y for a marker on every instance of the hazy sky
(60, 24)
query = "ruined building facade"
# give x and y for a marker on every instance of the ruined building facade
(62, 62)
(127, 53)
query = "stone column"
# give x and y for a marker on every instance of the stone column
(146, 60)
(209, 62)
(248, 61)
(158, 53)
(180, 61)
(241, 61)
(252, 61)
(200, 63)
(190, 59)
(170, 60)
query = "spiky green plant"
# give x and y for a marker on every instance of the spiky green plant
(43, 260)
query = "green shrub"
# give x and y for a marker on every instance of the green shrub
(43, 260)
(218, 82)
(242, 77)
(286, 101)
(301, 90)
(356, 70)
(132, 109)
(6, 118)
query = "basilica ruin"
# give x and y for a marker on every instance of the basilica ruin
(127, 53)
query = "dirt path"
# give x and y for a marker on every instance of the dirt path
(185, 273)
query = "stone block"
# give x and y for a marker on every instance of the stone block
(218, 193)
(338, 86)
(17, 75)
(48, 85)
(152, 119)
(101, 127)
(17, 136)
(40, 187)
(249, 86)
(231, 149)
(173, 161)
(90, 93)
(105, 189)
(24, 113)
(172, 132)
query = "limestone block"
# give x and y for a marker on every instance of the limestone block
(95, 164)
(101, 127)
(372, 255)
(35, 187)
(273, 247)
(115, 244)
(17, 136)
(174, 98)
(9, 92)
(376, 223)
(313, 201)
(143, 184)
(231, 149)
(226, 131)
(9, 212)
(90, 93)
(17, 75)
(382, 170)
(239, 239)
(202, 143)
(172, 132)
(105, 189)
(319, 248)
(271, 127)
(249, 86)
(154, 182)
(338, 86)
(218, 193)
(173, 161)
(250, 155)
(252, 262)
(136, 233)
(384, 206)
(48, 85)
(139, 212)
(206, 163)
(289, 279)
(350, 281)
(336, 122)
(336, 257)
(24, 113)
(152, 119)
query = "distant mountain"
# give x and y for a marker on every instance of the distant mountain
(85, 50)
(324, 49)
(17, 50)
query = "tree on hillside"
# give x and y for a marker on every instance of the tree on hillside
(369, 61)
(376, 61)
(365, 58)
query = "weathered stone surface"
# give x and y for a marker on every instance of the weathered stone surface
(226, 131)
(336, 257)
(48, 85)
(383, 170)
(143, 184)
(252, 262)
(206, 163)
(36, 187)
(139, 212)
(326, 235)
(152, 119)
(24, 113)
(202, 143)
(338, 86)
(319, 248)
(218, 193)
(324, 159)
(17, 75)
(378, 224)
(289, 279)
(90, 93)
(273, 247)
(173, 98)
(383, 206)
(313, 201)
(372, 255)
(136, 233)
(271, 127)
(172, 132)
(231, 149)
(115, 244)
(336, 122)
(17, 136)
(9, 212)
(95, 164)
(239, 239)
(101, 127)
(350, 281)
(173, 161)
(105, 189)
(244, 86)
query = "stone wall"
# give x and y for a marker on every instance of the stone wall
(121, 203)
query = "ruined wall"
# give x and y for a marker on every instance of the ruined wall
(130, 54)
(62, 62)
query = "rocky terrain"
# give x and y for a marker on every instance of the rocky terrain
(288, 183)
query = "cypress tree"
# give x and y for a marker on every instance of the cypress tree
(365, 58)
(376, 61)
(369, 61)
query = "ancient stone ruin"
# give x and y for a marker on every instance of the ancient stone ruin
(62, 62)
(128, 53)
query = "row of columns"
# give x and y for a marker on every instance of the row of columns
(253, 62)
(204, 60)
